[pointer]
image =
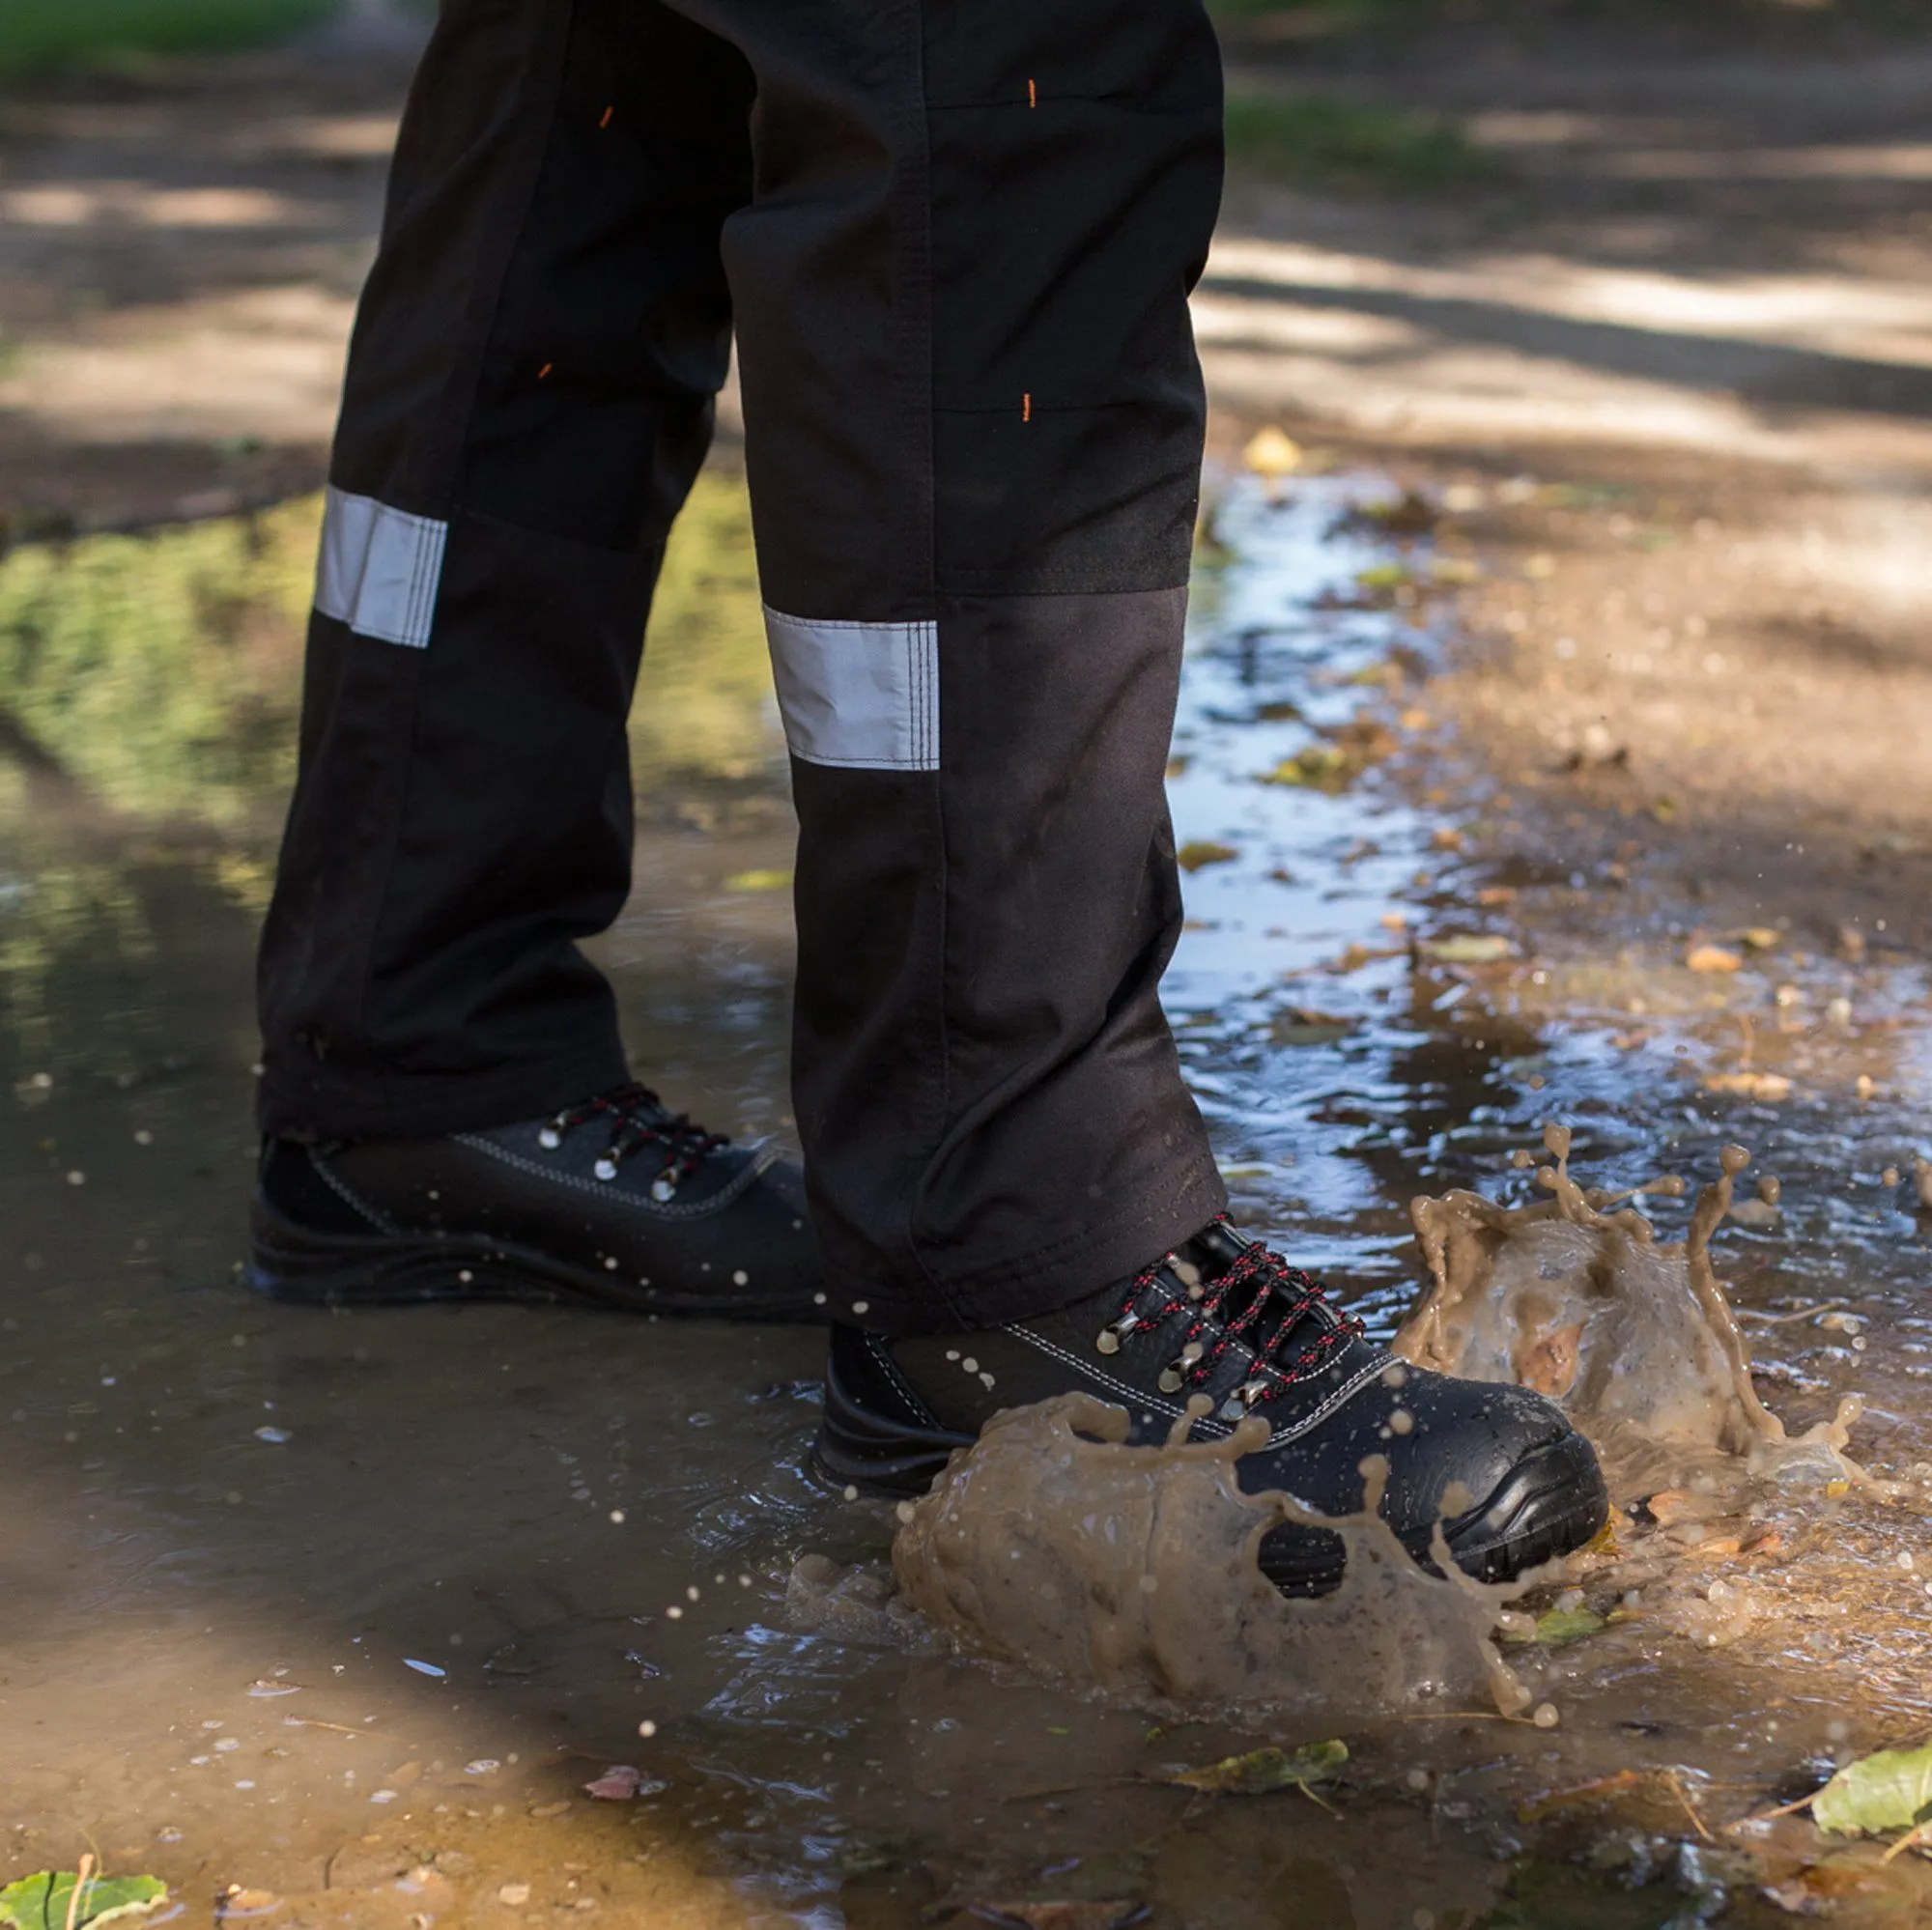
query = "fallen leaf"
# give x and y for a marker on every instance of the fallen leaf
(1560, 1628)
(1318, 766)
(1262, 1770)
(1891, 1790)
(1447, 837)
(1770, 1086)
(1496, 895)
(47, 1900)
(1760, 937)
(617, 1784)
(1197, 852)
(1671, 1505)
(238, 1900)
(1469, 949)
(1711, 958)
(1271, 453)
(759, 881)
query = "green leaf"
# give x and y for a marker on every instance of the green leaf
(1319, 765)
(1561, 1626)
(40, 1902)
(1261, 1771)
(1891, 1790)
(1474, 949)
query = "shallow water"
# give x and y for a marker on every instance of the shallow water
(308, 1602)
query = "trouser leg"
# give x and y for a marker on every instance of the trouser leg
(529, 394)
(974, 421)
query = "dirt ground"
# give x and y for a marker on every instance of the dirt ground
(1668, 387)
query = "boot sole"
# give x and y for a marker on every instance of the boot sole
(300, 1268)
(1552, 1501)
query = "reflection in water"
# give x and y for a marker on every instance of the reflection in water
(585, 1524)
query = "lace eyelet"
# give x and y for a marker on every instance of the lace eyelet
(606, 1168)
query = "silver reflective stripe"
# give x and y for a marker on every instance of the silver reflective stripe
(864, 695)
(379, 568)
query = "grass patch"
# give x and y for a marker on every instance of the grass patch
(38, 35)
(1316, 141)
(162, 672)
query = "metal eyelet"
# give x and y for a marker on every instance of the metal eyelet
(606, 1167)
(549, 1139)
(664, 1186)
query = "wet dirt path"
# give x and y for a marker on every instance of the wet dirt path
(347, 1610)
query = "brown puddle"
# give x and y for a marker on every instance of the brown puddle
(199, 1492)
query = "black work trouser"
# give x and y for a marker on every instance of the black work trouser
(955, 241)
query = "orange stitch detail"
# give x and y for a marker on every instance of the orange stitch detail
(545, 370)
(1026, 407)
(1033, 96)
(605, 120)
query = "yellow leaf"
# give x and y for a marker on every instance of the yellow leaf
(1711, 958)
(1271, 453)
(1770, 1086)
(759, 881)
(1200, 851)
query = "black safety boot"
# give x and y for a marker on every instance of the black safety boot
(612, 1203)
(1513, 1483)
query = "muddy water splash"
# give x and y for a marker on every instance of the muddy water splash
(1054, 1544)
(1632, 1338)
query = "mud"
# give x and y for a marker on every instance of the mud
(1053, 1544)
(447, 1489)
(1633, 1339)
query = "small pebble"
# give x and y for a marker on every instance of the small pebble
(1545, 1716)
(647, 1727)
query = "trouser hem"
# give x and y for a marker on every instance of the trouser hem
(1044, 1278)
(430, 1107)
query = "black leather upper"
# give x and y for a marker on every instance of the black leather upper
(735, 1226)
(1435, 1434)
